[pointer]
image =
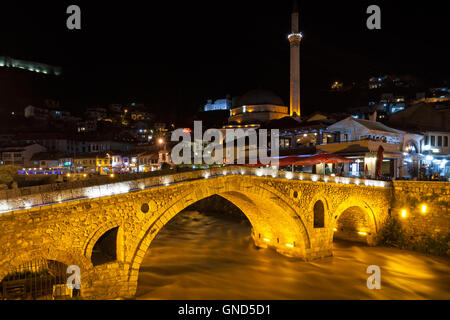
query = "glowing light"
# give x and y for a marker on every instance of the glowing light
(84, 175)
(362, 233)
(289, 175)
(68, 174)
(314, 178)
(334, 229)
(295, 35)
(266, 240)
(403, 213)
(259, 173)
(112, 175)
(289, 245)
(4, 206)
(424, 208)
(27, 205)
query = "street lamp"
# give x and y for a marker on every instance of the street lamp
(161, 141)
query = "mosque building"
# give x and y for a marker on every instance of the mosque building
(261, 106)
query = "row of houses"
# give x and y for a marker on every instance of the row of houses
(407, 154)
(35, 158)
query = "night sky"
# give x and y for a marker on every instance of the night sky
(175, 55)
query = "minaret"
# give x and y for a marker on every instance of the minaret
(294, 39)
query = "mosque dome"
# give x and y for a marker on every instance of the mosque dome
(260, 97)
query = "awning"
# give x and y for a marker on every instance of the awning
(305, 160)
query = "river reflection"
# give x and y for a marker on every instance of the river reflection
(204, 256)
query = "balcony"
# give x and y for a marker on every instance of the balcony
(359, 146)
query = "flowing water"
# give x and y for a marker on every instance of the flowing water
(206, 256)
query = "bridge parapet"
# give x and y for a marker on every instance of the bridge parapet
(24, 200)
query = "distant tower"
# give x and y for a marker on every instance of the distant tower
(294, 39)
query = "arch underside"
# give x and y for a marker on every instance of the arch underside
(274, 223)
(355, 223)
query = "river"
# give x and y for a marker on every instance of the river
(211, 256)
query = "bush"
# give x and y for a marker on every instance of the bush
(393, 235)
(8, 174)
(165, 166)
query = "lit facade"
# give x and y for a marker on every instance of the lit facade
(221, 104)
(38, 67)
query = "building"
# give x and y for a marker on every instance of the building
(115, 108)
(38, 67)
(20, 155)
(361, 139)
(93, 163)
(301, 137)
(73, 144)
(261, 106)
(258, 106)
(432, 120)
(152, 161)
(32, 112)
(95, 113)
(89, 125)
(36, 113)
(221, 104)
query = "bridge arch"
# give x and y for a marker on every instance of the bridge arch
(60, 255)
(354, 219)
(95, 237)
(274, 222)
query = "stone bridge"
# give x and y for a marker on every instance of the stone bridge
(296, 214)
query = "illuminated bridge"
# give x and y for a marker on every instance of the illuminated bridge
(296, 214)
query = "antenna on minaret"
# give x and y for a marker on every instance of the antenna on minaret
(294, 39)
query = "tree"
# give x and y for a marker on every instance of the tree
(8, 174)
(165, 166)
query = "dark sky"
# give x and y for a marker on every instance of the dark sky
(174, 55)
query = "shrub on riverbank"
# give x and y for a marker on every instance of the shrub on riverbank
(394, 235)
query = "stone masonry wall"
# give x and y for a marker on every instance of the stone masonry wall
(411, 196)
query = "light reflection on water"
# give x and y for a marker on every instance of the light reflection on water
(199, 256)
